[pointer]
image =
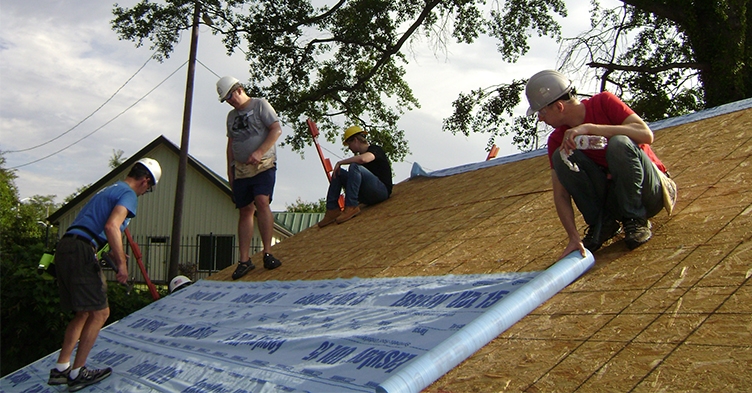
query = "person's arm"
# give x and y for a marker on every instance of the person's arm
(275, 131)
(632, 126)
(565, 211)
(361, 159)
(115, 239)
(230, 160)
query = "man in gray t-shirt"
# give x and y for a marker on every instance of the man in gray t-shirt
(252, 131)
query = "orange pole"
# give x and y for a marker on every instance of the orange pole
(137, 254)
(324, 161)
(492, 154)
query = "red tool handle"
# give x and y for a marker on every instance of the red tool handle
(137, 254)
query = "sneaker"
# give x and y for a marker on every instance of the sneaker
(58, 377)
(87, 377)
(329, 217)
(594, 238)
(270, 262)
(636, 232)
(242, 269)
(348, 213)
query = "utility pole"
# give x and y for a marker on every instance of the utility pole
(177, 217)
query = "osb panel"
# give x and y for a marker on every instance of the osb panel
(627, 368)
(671, 328)
(723, 330)
(739, 302)
(733, 270)
(695, 265)
(558, 327)
(673, 315)
(624, 327)
(577, 367)
(509, 365)
(588, 302)
(700, 368)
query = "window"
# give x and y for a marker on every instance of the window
(215, 252)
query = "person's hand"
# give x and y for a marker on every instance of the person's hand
(255, 158)
(335, 171)
(122, 274)
(568, 144)
(574, 246)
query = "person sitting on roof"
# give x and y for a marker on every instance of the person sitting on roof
(368, 180)
(621, 182)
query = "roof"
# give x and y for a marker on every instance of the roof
(296, 222)
(672, 315)
(217, 180)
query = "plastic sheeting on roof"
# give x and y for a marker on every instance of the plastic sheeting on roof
(302, 336)
(417, 170)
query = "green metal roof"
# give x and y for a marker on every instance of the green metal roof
(296, 222)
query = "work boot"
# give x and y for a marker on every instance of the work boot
(636, 232)
(350, 212)
(330, 217)
(593, 240)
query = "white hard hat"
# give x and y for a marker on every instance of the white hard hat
(224, 84)
(153, 166)
(544, 88)
(179, 282)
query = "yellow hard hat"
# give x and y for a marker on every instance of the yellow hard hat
(350, 132)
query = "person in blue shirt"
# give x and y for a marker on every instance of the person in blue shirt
(82, 285)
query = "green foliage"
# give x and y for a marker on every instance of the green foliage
(117, 158)
(307, 207)
(340, 63)
(664, 58)
(31, 321)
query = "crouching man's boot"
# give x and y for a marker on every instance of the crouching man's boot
(329, 217)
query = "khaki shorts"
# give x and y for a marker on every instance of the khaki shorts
(81, 282)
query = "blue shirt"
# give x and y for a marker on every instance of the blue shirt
(97, 211)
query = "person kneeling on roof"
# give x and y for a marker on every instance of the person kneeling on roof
(368, 179)
(621, 182)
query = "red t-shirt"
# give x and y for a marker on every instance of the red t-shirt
(602, 108)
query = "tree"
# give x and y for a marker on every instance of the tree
(307, 207)
(663, 57)
(117, 158)
(342, 62)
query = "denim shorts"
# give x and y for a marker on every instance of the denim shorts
(81, 282)
(245, 190)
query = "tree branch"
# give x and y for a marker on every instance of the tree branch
(650, 70)
(675, 12)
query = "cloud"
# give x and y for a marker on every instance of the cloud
(60, 61)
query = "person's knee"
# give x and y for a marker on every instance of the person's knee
(247, 211)
(261, 202)
(354, 168)
(621, 152)
(619, 143)
(99, 316)
(558, 161)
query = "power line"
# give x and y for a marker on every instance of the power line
(108, 122)
(87, 117)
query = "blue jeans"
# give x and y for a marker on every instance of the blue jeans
(634, 190)
(360, 186)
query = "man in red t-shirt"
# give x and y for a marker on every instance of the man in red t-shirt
(620, 183)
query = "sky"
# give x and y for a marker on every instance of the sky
(62, 69)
